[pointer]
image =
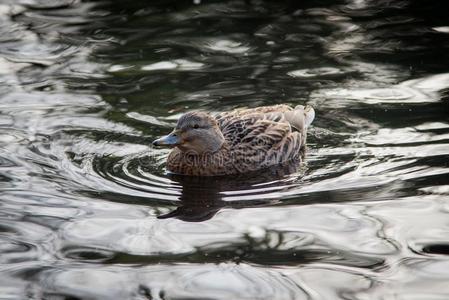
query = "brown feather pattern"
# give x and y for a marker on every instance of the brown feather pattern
(254, 139)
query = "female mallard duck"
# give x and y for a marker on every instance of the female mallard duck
(239, 141)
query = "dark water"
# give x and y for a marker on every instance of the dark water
(88, 212)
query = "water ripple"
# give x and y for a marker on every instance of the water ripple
(89, 211)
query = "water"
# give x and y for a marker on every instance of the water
(87, 210)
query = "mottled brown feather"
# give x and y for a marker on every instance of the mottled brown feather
(254, 139)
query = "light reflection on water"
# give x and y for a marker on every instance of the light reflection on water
(89, 212)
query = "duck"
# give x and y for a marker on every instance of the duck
(239, 141)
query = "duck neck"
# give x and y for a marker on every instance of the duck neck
(212, 145)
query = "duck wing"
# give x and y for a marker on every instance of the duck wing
(256, 141)
(235, 122)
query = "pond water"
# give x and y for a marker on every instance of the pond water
(87, 210)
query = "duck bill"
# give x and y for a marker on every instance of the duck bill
(170, 140)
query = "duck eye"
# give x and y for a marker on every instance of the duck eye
(196, 126)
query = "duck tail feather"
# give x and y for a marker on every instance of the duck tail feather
(300, 117)
(309, 114)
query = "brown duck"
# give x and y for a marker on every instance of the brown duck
(238, 141)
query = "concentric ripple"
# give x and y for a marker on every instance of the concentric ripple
(88, 210)
(145, 173)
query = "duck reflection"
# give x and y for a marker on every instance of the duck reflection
(203, 197)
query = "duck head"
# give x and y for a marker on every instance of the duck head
(196, 132)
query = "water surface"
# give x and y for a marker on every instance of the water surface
(87, 210)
